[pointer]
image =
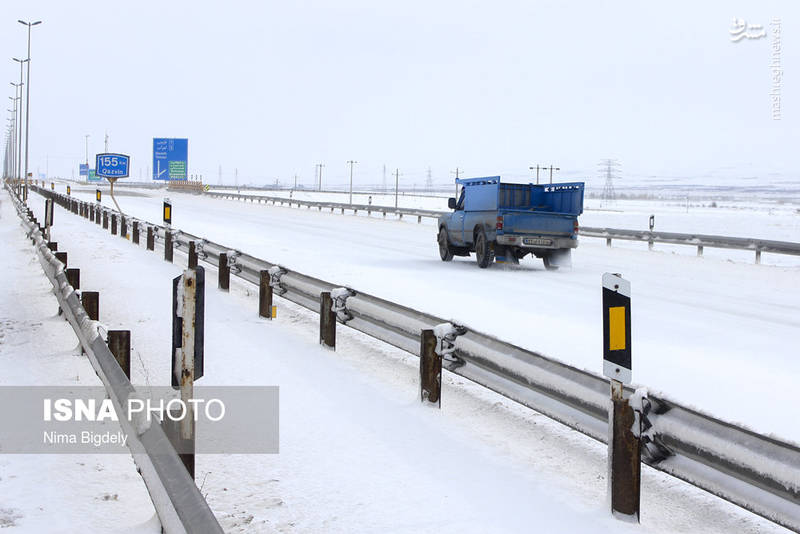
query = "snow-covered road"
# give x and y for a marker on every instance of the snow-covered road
(718, 335)
(358, 451)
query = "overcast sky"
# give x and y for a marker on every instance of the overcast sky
(273, 88)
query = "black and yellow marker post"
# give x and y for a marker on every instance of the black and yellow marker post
(624, 468)
(97, 195)
(167, 211)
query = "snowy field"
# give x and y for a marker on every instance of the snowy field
(358, 451)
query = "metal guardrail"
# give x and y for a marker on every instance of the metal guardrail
(180, 506)
(697, 240)
(756, 472)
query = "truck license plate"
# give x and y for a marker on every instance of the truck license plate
(537, 241)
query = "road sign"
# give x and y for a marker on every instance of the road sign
(112, 166)
(616, 327)
(170, 159)
(93, 176)
(83, 169)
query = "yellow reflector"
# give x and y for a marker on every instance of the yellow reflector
(616, 328)
(167, 212)
(274, 311)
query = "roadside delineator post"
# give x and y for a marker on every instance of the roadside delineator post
(624, 469)
(105, 220)
(327, 321)
(150, 238)
(135, 232)
(113, 224)
(224, 272)
(119, 342)
(430, 369)
(123, 227)
(265, 307)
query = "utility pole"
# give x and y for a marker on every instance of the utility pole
(295, 181)
(396, 185)
(457, 172)
(385, 187)
(429, 180)
(236, 177)
(351, 162)
(551, 172)
(320, 166)
(28, 101)
(106, 144)
(87, 153)
(537, 173)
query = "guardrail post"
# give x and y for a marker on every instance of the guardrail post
(105, 220)
(650, 243)
(264, 295)
(62, 257)
(114, 224)
(135, 232)
(168, 244)
(119, 342)
(625, 468)
(150, 238)
(758, 256)
(224, 272)
(90, 300)
(91, 214)
(699, 250)
(608, 241)
(73, 277)
(430, 369)
(192, 256)
(123, 227)
(97, 215)
(52, 246)
(327, 321)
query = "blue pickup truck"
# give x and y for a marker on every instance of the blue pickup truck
(509, 221)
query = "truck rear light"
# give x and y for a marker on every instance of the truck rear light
(499, 224)
(575, 227)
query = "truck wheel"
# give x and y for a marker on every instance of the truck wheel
(445, 252)
(548, 264)
(484, 250)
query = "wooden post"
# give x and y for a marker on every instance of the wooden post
(123, 227)
(625, 457)
(192, 256)
(91, 214)
(168, 244)
(135, 233)
(62, 257)
(264, 295)
(119, 342)
(608, 241)
(150, 238)
(105, 220)
(73, 277)
(758, 256)
(224, 278)
(699, 250)
(114, 224)
(327, 321)
(430, 369)
(97, 216)
(52, 246)
(90, 300)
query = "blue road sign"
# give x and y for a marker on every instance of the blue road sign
(112, 165)
(170, 159)
(83, 169)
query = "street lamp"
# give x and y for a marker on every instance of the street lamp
(19, 122)
(351, 162)
(28, 101)
(14, 141)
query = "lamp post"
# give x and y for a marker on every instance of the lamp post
(28, 100)
(351, 162)
(15, 122)
(19, 122)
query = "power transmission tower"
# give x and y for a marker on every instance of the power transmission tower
(429, 181)
(609, 169)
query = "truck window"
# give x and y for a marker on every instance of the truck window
(460, 204)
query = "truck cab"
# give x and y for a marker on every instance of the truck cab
(506, 222)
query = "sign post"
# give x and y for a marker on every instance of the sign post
(112, 166)
(624, 453)
(83, 170)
